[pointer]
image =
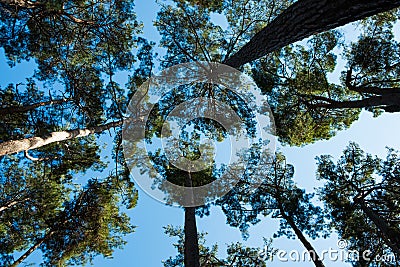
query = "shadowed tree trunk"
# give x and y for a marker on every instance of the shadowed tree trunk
(303, 19)
(191, 257)
(191, 240)
(391, 237)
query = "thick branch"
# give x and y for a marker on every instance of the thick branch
(303, 19)
(375, 90)
(384, 101)
(364, 89)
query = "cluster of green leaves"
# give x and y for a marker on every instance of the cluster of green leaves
(200, 38)
(293, 79)
(307, 107)
(42, 207)
(277, 196)
(78, 47)
(48, 201)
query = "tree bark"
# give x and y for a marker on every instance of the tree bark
(192, 258)
(303, 19)
(32, 249)
(15, 146)
(386, 100)
(191, 250)
(12, 204)
(313, 253)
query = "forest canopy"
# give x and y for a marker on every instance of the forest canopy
(66, 189)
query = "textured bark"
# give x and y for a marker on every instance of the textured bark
(303, 19)
(15, 146)
(21, 109)
(32, 249)
(313, 253)
(384, 101)
(191, 252)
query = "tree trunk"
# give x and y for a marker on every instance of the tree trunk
(12, 204)
(32, 249)
(392, 237)
(313, 253)
(303, 19)
(191, 253)
(15, 146)
(192, 258)
(20, 109)
(21, 3)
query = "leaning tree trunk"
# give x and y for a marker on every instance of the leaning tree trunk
(32, 249)
(11, 204)
(191, 249)
(313, 253)
(15, 146)
(392, 237)
(303, 19)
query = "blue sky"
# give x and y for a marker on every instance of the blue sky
(149, 245)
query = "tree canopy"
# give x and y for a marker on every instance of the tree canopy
(360, 196)
(65, 186)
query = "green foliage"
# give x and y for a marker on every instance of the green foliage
(90, 224)
(293, 80)
(200, 38)
(81, 31)
(358, 189)
(237, 253)
(28, 199)
(212, 5)
(75, 224)
(79, 47)
(373, 61)
(277, 196)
